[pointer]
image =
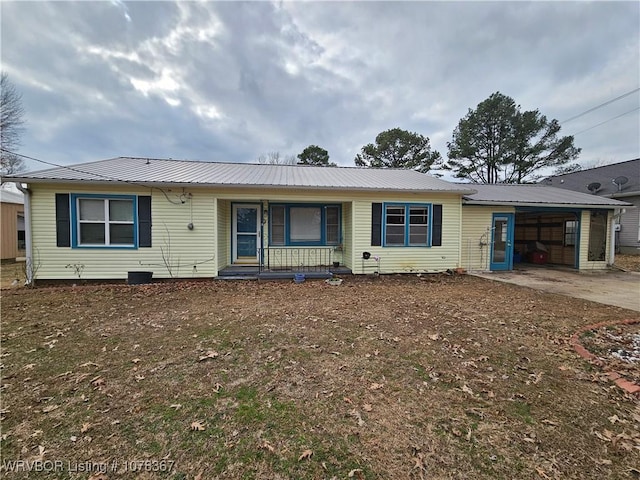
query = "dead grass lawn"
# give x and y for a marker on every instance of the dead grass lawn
(394, 377)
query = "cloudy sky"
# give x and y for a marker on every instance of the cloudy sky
(228, 81)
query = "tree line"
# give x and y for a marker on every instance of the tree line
(496, 142)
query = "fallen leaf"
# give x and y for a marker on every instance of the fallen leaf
(550, 422)
(356, 473)
(306, 455)
(434, 336)
(199, 475)
(376, 386)
(613, 419)
(98, 476)
(541, 472)
(139, 378)
(197, 425)
(73, 438)
(347, 400)
(367, 407)
(208, 355)
(50, 408)
(85, 427)
(175, 406)
(267, 446)
(466, 389)
(136, 360)
(217, 387)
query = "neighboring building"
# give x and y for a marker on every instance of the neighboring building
(12, 244)
(620, 181)
(203, 219)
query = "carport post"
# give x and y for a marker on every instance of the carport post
(612, 243)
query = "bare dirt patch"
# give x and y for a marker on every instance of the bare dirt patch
(391, 377)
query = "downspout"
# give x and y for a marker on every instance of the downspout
(27, 232)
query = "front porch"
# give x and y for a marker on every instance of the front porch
(286, 262)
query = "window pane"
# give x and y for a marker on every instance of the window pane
(395, 215)
(92, 233)
(418, 215)
(91, 209)
(305, 224)
(394, 235)
(277, 226)
(333, 225)
(121, 210)
(417, 235)
(121, 234)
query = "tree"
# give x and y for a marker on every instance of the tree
(572, 167)
(498, 143)
(274, 158)
(397, 148)
(11, 121)
(314, 155)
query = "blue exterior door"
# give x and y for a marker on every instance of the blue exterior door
(246, 233)
(502, 241)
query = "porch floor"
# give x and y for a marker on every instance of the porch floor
(252, 272)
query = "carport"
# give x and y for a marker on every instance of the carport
(506, 225)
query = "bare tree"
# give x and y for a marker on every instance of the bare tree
(11, 121)
(274, 158)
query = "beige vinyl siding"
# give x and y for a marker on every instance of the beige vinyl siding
(406, 259)
(191, 253)
(347, 235)
(585, 225)
(476, 229)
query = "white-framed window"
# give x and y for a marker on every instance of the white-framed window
(406, 225)
(104, 221)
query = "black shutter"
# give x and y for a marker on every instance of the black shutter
(436, 231)
(144, 221)
(63, 220)
(376, 224)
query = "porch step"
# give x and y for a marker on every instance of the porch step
(236, 277)
(291, 275)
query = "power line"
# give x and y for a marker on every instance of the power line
(77, 170)
(600, 106)
(606, 121)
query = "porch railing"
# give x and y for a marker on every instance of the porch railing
(307, 259)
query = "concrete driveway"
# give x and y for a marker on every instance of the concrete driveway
(621, 289)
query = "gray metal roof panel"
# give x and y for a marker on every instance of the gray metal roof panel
(604, 175)
(172, 172)
(536, 194)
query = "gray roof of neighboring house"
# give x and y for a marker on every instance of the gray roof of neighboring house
(579, 181)
(536, 195)
(8, 196)
(154, 172)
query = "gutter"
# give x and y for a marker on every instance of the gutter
(609, 206)
(27, 232)
(156, 184)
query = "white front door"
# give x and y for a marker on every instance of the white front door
(246, 232)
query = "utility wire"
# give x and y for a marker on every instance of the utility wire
(606, 121)
(600, 106)
(77, 170)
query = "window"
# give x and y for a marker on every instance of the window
(108, 221)
(302, 224)
(570, 232)
(406, 225)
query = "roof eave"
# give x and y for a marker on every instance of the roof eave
(546, 205)
(147, 184)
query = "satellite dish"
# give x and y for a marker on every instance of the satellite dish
(593, 187)
(619, 181)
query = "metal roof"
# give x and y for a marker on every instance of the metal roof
(155, 172)
(536, 195)
(605, 176)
